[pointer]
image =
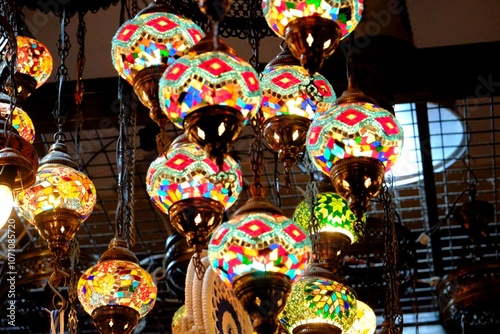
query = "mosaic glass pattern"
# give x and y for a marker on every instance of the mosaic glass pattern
(152, 39)
(354, 130)
(20, 121)
(289, 90)
(117, 282)
(332, 212)
(319, 300)
(259, 242)
(34, 59)
(178, 315)
(365, 322)
(186, 172)
(57, 187)
(211, 78)
(346, 13)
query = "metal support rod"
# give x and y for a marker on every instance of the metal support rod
(429, 185)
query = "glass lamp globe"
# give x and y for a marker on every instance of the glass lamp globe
(291, 98)
(259, 253)
(212, 94)
(319, 304)
(59, 201)
(20, 120)
(117, 292)
(365, 322)
(186, 179)
(355, 144)
(312, 29)
(33, 59)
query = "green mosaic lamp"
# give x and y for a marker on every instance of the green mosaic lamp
(260, 253)
(318, 304)
(144, 46)
(192, 190)
(355, 143)
(312, 28)
(117, 292)
(291, 98)
(337, 224)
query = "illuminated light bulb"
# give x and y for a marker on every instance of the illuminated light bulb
(6, 200)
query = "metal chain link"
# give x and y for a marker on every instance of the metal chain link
(256, 152)
(74, 251)
(393, 314)
(63, 47)
(80, 66)
(130, 172)
(312, 198)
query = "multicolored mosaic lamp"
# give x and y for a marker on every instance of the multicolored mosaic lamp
(312, 29)
(291, 98)
(117, 292)
(189, 186)
(146, 45)
(336, 224)
(319, 304)
(211, 93)
(260, 253)
(355, 143)
(20, 120)
(365, 322)
(34, 66)
(59, 201)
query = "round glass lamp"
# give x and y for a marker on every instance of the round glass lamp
(312, 29)
(318, 304)
(355, 144)
(33, 59)
(189, 186)
(365, 322)
(211, 93)
(146, 45)
(59, 201)
(20, 120)
(291, 98)
(260, 253)
(117, 292)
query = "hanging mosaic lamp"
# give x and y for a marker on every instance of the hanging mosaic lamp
(365, 322)
(34, 66)
(291, 98)
(59, 201)
(20, 120)
(260, 253)
(212, 94)
(117, 292)
(190, 188)
(312, 29)
(318, 304)
(355, 143)
(337, 225)
(146, 45)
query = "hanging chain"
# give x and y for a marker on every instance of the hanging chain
(80, 65)
(277, 180)
(129, 226)
(74, 252)
(312, 199)
(63, 47)
(257, 153)
(134, 8)
(254, 36)
(393, 313)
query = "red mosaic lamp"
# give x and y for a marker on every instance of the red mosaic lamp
(146, 45)
(291, 98)
(312, 29)
(355, 143)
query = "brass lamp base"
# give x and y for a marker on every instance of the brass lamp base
(357, 180)
(317, 329)
(312, 39)
(263, 295)
(58, 227)
(330, 247)
(196, 218)
(115, 319)
(215, 128)
(146, 84)
(26, 85)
